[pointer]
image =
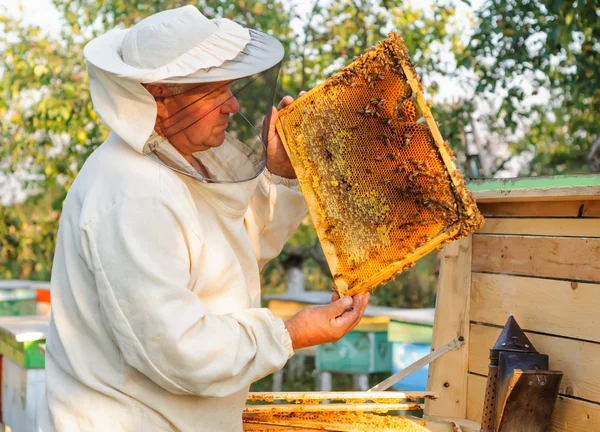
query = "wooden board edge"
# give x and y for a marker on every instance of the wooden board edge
(448, 374)
(541, 227)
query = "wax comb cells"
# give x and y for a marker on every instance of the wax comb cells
(379, 180)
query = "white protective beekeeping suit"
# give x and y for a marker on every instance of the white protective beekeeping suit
(156, 320)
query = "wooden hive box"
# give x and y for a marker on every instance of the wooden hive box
(537, 258)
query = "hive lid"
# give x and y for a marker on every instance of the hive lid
(378, 178)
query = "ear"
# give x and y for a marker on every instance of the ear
(157, 90)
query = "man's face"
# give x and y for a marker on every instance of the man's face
(194, 117)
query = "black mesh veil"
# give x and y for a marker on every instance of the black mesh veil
(216, 132)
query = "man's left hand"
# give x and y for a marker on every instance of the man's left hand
(278, 161)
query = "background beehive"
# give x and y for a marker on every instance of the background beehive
(379, 180)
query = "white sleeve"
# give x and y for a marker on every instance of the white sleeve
(141, 253)
(276, 210)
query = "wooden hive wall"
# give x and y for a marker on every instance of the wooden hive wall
(540, 262)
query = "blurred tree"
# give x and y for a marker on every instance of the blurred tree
(49, 127)
(539, 61)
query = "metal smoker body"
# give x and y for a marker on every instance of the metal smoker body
(521, 391)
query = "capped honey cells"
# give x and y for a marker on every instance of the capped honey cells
(380, 182)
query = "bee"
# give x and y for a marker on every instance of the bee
(386, 139)
(353, 284)
(386, 181)
(377, 158)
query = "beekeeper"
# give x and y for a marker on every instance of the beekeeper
(156, 321)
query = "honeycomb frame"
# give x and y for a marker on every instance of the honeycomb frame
(379, 180)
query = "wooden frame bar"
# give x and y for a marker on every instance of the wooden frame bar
(448, 374)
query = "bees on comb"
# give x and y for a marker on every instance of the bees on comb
(380, 182)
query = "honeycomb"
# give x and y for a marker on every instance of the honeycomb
(339, 421)
(379, 180)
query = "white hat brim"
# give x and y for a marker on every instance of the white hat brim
(230, 53)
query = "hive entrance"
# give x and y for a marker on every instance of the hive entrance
(378, 179)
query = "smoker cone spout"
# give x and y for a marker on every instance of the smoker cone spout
(521, 391)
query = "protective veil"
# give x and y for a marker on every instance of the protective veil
(225, 61)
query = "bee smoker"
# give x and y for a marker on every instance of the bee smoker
(521, 391)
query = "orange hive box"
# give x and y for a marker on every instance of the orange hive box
(379, 180)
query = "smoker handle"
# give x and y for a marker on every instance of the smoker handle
(424, 361)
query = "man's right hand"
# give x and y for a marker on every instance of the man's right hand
(316, 325)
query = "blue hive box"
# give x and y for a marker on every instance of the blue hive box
(410, 336)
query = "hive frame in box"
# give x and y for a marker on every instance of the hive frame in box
(457, 186)
(349, 412)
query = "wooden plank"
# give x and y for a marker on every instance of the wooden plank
(569, 414)
(576, 208)
(575, 415)
(538, 194)
(538, 188)
(578, 360)
(447, 375)
(549, 306)
(555, 257)
(475, 393)
(331, 408)
(563, 227)
(464, 424)
(348, 396)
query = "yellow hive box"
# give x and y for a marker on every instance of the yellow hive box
(379, 180)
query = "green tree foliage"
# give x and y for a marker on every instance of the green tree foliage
(52, 127)
(48, 127)
(549, 49)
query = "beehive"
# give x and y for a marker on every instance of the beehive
(307, 412)
(379, 180)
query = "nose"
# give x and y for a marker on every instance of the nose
(231, 106)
